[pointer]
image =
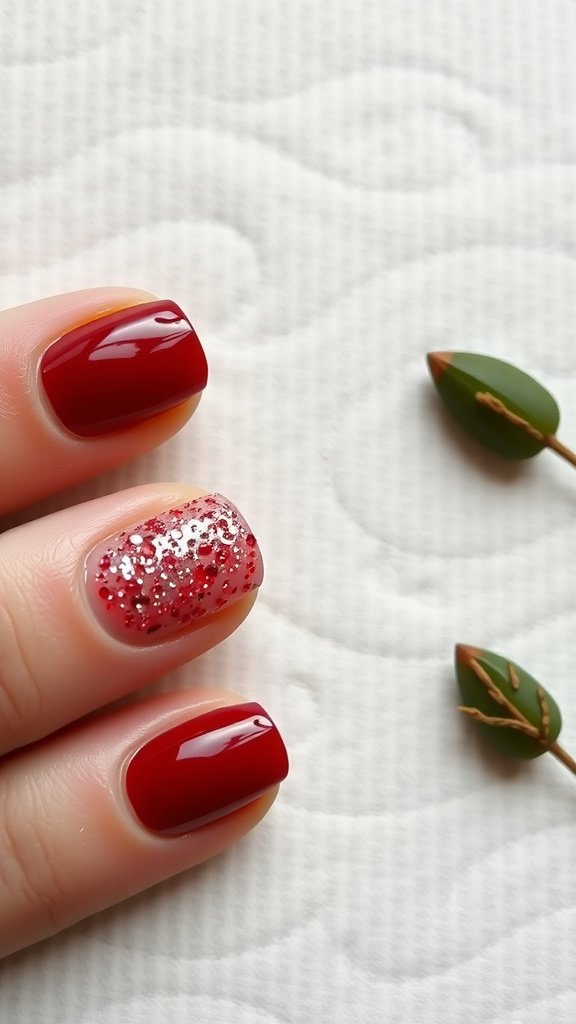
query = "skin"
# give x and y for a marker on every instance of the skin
(70, 844)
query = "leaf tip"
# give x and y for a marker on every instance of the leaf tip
(465, 654)
(438, 362)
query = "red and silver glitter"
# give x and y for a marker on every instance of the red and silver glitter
(167, 574)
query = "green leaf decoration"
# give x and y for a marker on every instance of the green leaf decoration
(514, 711)
(502, 407)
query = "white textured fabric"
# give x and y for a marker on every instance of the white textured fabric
(331, 189)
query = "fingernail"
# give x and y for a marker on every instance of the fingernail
(205, 768)
(123, 368)
(165, 575)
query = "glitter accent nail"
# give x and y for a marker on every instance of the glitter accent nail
(166, 575)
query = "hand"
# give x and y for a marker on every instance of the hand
(100, 599)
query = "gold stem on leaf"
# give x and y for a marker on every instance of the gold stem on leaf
(518, 720)
(506, 723)
(497, 694)
(561, 449)
(545, 713)
(496, 405)
(513, 676)
(549, 440)
(563, 756)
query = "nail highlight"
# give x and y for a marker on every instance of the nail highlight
(166, 574)
(123, 368)
(205, 768)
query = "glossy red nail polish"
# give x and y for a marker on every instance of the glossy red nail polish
(205, 768)
(168, 573)
(123, 368)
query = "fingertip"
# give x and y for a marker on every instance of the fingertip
(94, 378)
(92, 847)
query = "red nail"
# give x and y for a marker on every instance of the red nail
(169, 573)
(205, 768)
(123, 368)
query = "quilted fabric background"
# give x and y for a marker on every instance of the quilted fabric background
(330, 189)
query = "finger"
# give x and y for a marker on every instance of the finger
(111, 807)
(89, 380)
(103, 598)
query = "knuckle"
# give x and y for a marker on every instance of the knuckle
(29, 873)
(20, 692)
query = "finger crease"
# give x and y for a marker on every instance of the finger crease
(19, 689)
(27, 862)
